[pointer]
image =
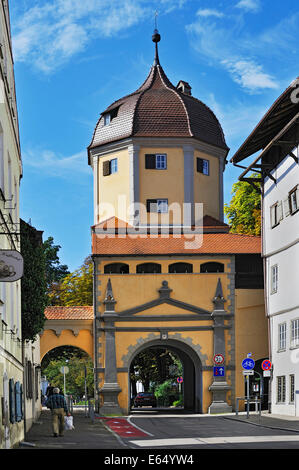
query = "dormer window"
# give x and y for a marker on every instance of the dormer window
(184, 87)
(109, 116)
(107, 119)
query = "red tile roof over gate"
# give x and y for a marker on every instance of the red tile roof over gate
(69, 313)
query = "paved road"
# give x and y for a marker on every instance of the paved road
(206, 432)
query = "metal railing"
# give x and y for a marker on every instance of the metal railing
(249, 401)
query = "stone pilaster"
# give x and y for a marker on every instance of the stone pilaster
(110, 389)
(219, 387)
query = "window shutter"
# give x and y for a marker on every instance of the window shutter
(150, 161)
(12, 406)
(18, 402)
(106, 168)
(199, 163)
(151, 205)
(286, 206)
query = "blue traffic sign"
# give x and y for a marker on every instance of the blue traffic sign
(248, 363)
(218, 371)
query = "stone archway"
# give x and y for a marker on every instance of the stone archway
(192, 366)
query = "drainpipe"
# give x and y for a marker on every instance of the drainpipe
(95, 361)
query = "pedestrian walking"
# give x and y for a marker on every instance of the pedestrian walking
(58, 406)
(49, 390)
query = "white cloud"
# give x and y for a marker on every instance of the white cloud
(249, 5)
(54, 164)
(209, 12)
(48, 34)
(228, 47)
(249, 74)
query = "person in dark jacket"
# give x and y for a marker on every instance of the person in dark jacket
(58, 407)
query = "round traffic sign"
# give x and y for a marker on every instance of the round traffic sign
(248, 363)
(266, 364)
(218, 359)
(179, 380)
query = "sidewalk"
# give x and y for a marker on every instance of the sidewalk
(272, 421)
(86, 435)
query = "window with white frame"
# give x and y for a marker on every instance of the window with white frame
(282, 328)
(292, 388)
(156, 161)
(294, 200)
(274, 278)
(161, 163)
(281, 389)
(203, 166)
(295, 333)
(113, 165)
(276, 214)
(157, 205)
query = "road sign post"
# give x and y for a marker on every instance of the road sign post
(248, 364)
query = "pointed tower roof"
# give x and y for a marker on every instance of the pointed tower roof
(158, 109)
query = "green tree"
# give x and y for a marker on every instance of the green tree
(33, 282)
(244, 210)
(75, 288)
(55, 271)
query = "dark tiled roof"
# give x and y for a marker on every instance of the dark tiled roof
(159, 109)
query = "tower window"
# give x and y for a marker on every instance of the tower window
(107, 119)
(203, 166)
(180, 268)
(110, 167)
(157, 205)
(212, 267)
(147, 268)
(116, 268)
(156, 161)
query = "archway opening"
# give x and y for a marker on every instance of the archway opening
(71, 370)
(165, 377)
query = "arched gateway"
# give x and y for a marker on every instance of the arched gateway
(166, 273)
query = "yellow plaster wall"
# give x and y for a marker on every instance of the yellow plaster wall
(49, 340)
(115, 186)
(162, 184)
(251, 330)
(206, 187)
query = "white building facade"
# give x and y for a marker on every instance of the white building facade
(277, 138)
(281, 253)
(11, 364)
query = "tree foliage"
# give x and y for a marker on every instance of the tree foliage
(244, 210)
(75, 288)
(33, 283)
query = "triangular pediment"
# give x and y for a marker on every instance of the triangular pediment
(164, 306)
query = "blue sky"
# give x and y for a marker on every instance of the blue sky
(73, 58)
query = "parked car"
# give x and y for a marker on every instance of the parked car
(145, 399)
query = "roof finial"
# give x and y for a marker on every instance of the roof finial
(156, 38)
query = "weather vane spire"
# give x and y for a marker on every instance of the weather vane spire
(156, 38)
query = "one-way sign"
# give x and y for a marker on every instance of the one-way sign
(218, 371)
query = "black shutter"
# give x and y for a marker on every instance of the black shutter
(12, 405)
(149, 205)
(106, 168)
(199, 163)
(150, 161)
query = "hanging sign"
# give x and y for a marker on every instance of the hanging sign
(11, 265)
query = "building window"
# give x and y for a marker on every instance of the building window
(157, 205)
(274, 278)
(113, 165)
(276, 214)
(107, 119)
(292, 388)
(295, 333)
(212, 267)
(203, 166)
(156, 161)
(281, 389)
(180, 268)
(282, 336)
(110, 167)
(116, 268)
(294, 200)
(147, 268)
